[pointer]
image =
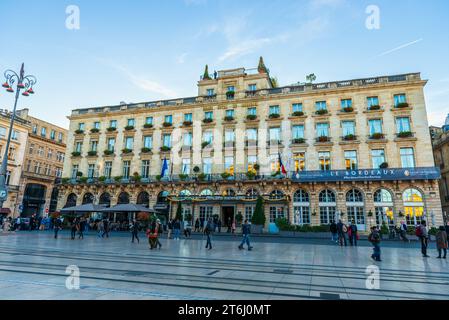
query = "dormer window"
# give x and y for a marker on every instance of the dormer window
(210, 92)
(252, 87)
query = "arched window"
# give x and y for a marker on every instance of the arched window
(328, 206)
(277, 195)
(229, 192)
(301, 207)
(71, 201)
(185, 194)
(123, 198)
(162, 197)
(251, 194)
(105, 200)
(88, 198)
(143, 199)
(413, 206)
(383, 206)
(206, 192)
(356, 208)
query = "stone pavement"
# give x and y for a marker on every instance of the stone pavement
(33, 266)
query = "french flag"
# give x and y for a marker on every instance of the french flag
(283, 171)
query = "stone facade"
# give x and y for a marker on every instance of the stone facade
(441, 154)
(367, 123)
(42, 165)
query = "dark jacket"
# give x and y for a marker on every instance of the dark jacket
(340, 226)
(208, 229)
(333, 227)
(177, 225)
(246, 229)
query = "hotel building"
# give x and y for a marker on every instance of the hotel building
(359, 150)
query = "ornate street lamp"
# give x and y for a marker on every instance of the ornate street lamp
(22, 82)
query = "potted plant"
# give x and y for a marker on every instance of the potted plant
(79, 174)
(167, 124)
(348, 109)
(377, 136)
(102, 179)
(187, 123)
(230, 94)
(183, 177)
(384, 165)
(258, 218)
(201, 177)
(148, 125)
(108, 152)
(400, 214)
(349, 137)
(229, 118)
(158, 177)
(374, 107)
(92, 153)
(208, 120)
(145, 150)
(402, 105)
(298, 114)
(384, 230)
(370, 213)
(405, 134)
(225, 175)
(118, 178)
(179, 212)
(65, 180)
(136, 177)
(204, 144)
(251, 117)
(76, 154)
(127, 151)
(299, 141)
(257, 167)
(165, 149)
(129, 128)
(323, 139)
(83, 179)
(321, 112)
(274, 116)
(79, 131)
(196, 169)
(251, 174)
(111, 129)
(94, 130)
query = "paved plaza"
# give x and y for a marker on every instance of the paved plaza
(33, 266)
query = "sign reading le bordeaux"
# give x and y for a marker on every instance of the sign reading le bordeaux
(427, 173)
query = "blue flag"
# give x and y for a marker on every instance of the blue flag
(164, 167)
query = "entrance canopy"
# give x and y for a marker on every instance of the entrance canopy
(128, 207)
(83, 208)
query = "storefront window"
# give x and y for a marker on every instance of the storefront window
(301, 208)
(413, 206)
(276, 213)
(328, 206)
(355, 206)
(383, 205)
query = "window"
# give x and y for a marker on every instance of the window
(209, 115)
(252, 160)
(207, 165)
(111, 144)
(324, 159)
(148, 142)
(12, 153)
(108, 169)
(301, 208)
(413, 206)
(206, 212)
(275, 135)
(399, 98)
(8, 177)
(34, 128)
(249, 211)
(2, 132)
(145, 172)
(94, 145)
(149, 120)
(188, 139)
(210, 92)
(129, 143)
(231, 89)
(208, 136)
(383, 207)
(274, 110)
(277, 195)
(403, 124)
(274, 163)
(276, 213)
(113, 124)
(188, 117)
(80, 127)
(126, 168)
(298, 132)
(186, 166)
(31, 148)
(252, 87)
(372, 101)
(378, 157)
(407, 158)
(167, 140)
(348, 128)
(251, 135)
(252, 111)
(78, 147)
(355, 206)
(44, 131)
(28, 167)
(130, 123)
(346, 103)
(52, 134)
(300, 161)
(74, 169)
(230, 113)
(60, 135)
(15, 135)
(91, 171)
(320, 105)
(322, 129)
(328, 206)
(229, 136)
(375, 126)
(168, 119)
(297, 107)
(229, 165)
(96, 125)
(351, 160)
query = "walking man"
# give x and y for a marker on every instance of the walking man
(353, 239)
(403, 231)
(423, 235)
(57, 227)
(170, 228)
(374, 238)
(342, 229)
(207, 231)
(105, 228)
(442, 243)
(176, 229)
(246, 231)
(135, 231)
(73, 228)
(81, 226)
(334, 232)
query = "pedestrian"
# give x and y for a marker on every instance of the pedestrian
(246, 231)
(81, 226)
(105, 228)
(219, 225)
(334, 232)
(441, 238)
(403, 232)
(57, 225)
(202, 221)
(233, 227)
(447, 230)
(176, 229)
(170, 228)
(374, 238)
(423, 235)
(207, 231)
(152, 235)
(159, 230)
(187, 229)
(73, 228)
(197, 225)
(229, 225)
(354, 233)
(134, 227)
(342, 230)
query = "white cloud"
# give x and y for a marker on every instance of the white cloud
(246, 47)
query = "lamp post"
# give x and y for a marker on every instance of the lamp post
(21, 81)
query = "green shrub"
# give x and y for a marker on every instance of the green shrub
(259, 214)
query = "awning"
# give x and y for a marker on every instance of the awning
(5, 211)
(83, 208)
(129, 207)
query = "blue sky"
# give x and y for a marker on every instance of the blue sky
(141, 50)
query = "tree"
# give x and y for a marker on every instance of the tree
(179, 212)
(261, 67)
(206, 75)
(259, 214)
(311, 78)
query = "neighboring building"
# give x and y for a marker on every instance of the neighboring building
(356, 149)
(16, 156)
(440, 143)
(42, 166)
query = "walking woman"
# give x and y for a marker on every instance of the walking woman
(442, 243)
(74, 228)
(135, 230)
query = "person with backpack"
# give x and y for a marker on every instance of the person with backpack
(342, 230)
(57, 226)
(334, 232)
(159, 231)
(442, 243)
(207, 231)
(374, 238)
(403, 232)
(246, 231)
(353, 233)
(152, 235)
(423, 235)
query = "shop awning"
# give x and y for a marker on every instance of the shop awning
(5, 211)
(129, 207)
(83, 208)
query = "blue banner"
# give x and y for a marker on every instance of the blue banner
(427, 173)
